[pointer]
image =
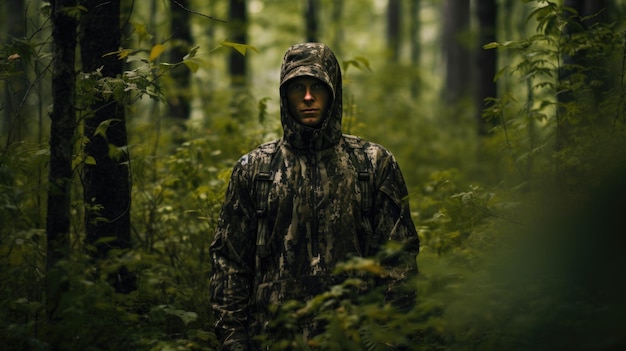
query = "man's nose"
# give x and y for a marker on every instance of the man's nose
(307, 94)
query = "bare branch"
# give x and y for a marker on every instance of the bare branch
(196, 13)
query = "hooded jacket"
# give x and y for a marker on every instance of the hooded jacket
(314, 215)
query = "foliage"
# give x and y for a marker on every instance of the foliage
(523, 264)
(572, 104)
(519, 247)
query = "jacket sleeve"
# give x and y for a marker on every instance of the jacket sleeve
(392, 222)
(232, 254)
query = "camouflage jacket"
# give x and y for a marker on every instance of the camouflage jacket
(314, 217)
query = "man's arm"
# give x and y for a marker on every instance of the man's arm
(232, 253)
(393, 223)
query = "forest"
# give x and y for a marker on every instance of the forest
(121, 120)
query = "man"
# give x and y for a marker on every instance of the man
(327, 197)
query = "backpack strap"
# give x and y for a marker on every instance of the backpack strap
(265, 176)
(262, 182)
(364, 177)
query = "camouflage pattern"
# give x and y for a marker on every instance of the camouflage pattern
(314, 212)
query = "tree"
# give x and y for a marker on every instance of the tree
(178, 189)
(106, 180)
(15, 92)
(61, 149)
(311, 20)
(238, 18)
(337, 35)
(456, 50)
(394, 25)
(587, 8)
(415, 44)
(486, 61)
(583, 67)
(178, 101)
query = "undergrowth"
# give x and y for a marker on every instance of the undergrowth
(527, 262)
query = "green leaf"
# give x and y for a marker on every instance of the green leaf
(491, 45)
(359, 62)
(103, 127)
(121, 54)
(187, 317)
(116, 152)
(74, 11)
(241, 48)
(192, 53)
(90, 160)
(192, 64)
(156, 51)
(364, 62)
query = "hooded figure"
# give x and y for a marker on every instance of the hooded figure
(313, 215)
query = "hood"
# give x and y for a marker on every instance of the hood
(314, 60)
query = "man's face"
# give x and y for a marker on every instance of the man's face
(308, 99)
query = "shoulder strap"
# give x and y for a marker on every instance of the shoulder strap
(360, 160)
(264, 178)
(362, 164)
(262, 181)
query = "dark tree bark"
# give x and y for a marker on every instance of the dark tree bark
(415, 46)
(238, 19)
(456, 49)
(591, 7)
(15, 91)
(584, 8)
(394, 25)
(61, 150)
(336, 16)
(107, 182)
(311, 20)
(178, 102)
(486, 61)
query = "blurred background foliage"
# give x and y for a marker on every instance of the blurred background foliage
(519, 211)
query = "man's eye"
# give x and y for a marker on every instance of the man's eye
(296, 87)
(317, 86)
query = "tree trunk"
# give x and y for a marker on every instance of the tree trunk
(238, 18)
(337, 35)
(394, 24)
(178, 101)
(584, 8)
(312, 21)
(415, 47)
(107, 182)
(486, 61)
(458, 66)
(61, 150)
(15, 91)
